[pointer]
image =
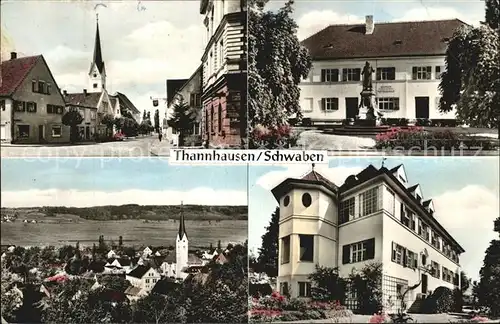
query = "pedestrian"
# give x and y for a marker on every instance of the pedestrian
(160, 135)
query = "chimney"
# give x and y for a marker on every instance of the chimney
(85, 91)
(65, 92)
(369, 25)
(13, 55)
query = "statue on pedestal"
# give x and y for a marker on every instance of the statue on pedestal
(367, 102)
(367, 77)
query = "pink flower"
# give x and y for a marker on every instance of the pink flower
(377, 318)
(479, 319)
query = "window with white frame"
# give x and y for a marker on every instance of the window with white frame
(307, 105)
(304, 289)
(422, 72)
(329, 75)
(386, 73)
(389, 103)
(56, 131)
(397, 253)
(358, 252)
(306, 248)
(369, 201)
(435, 272)
(330, 104)
(347, 210)
(285, 249)
(31, 107)
(438, 71)
(350, 74)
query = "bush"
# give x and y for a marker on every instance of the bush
(401, 122)
(458, 300)
(272, 138)
(440, 301)
(423, 122)
(193, 140)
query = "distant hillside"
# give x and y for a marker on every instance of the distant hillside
(105, 213)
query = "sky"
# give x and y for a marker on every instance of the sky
(314, 15)
(464, 190)
(98, 182)
(143, 42)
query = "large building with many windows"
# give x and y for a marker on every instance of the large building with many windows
(407, 60)
(376, 216)
(224, 72)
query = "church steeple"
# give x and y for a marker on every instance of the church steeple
(97, 73)
(182, 226)
(97, 49)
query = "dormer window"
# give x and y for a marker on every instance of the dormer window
(419, 199)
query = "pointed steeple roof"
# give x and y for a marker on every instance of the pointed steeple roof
(182, 226)
(97, 59)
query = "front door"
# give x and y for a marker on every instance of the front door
(351, 107)
(422, 107)
(41, 134)
(424, 284)
(87, 132)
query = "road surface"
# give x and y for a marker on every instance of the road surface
(132, 147)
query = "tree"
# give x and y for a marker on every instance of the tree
(268, 252)
(276, 64)
(488, 289)
(109, 121)
(471, 81)
(157, 120)
(181, 119)
(114, 282)
(120, 242)
(72, 118)
(148, 116)
(155, 308)
(144, 115)
(328, 285)
(465, 282)
(119, 123)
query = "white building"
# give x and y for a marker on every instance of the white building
(407, 57)
(181, 250)
(375, 216)
(143, 277)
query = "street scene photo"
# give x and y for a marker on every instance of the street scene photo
(412, 77)
(150, 243)
(122, 78)
(375, 240)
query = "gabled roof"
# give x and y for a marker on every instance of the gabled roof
(395, 39)
(13, 72)
(139, 271)
(88, 100)
(428, 204)
(125, 101)
(173, 86)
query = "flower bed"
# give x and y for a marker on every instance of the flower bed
(281, 137)
(419, 139)
(279, 308)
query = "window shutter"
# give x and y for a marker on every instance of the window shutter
(415, 261)
(370, 249)
(346, 254)
(393, 252)
(379, 74)
(344, 74)
(402, 212)
(323, 103)
(405, 258)
(414, 70)
(323, 75)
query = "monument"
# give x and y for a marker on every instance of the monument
(368, 115)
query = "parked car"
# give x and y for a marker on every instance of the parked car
(119, 136)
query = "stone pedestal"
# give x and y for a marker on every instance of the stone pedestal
(366, 115)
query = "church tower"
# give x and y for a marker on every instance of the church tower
(97, 73)
(181, 248)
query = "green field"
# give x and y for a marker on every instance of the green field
(134, 232)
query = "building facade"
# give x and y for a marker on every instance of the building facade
(374, 217)
(407, 60)
(31, 103)
(143, 277)
(224, 72)
(189, 93)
